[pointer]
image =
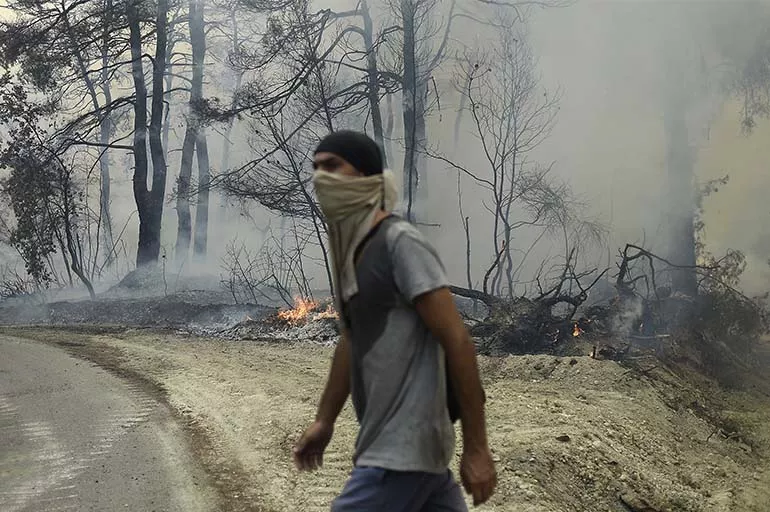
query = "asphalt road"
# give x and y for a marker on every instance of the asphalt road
(76, 437)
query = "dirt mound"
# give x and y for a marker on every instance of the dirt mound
(615, 438)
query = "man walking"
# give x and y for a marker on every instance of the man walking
(399, 329)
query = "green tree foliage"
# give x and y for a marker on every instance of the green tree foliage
(42, 192)
(31, 190)
(28, 189)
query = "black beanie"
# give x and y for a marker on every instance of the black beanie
(358, 149)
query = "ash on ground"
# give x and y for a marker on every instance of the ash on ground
(184, 312)
(323, 331)
(192, 304)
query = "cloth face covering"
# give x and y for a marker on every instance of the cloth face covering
(349, 205)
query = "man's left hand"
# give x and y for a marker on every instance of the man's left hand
(477, 473)
(309, 450)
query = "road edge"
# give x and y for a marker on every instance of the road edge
(212, 465)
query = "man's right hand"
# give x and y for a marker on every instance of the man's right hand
(309, 450)
(477, 473)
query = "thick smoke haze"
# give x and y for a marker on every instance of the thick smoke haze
(616, 61)
(615, 65)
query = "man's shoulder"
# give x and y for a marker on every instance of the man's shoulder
(399, 228)
(396, 240)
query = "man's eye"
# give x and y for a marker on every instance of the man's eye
(326, 165)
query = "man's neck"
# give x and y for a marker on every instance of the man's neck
(379, 217)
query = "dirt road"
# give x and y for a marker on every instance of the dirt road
(75, 437)
(569, 434)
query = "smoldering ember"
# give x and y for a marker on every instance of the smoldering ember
(591, 174)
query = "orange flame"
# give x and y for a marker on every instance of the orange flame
(304, 310)
(577, 331)
(300, 312)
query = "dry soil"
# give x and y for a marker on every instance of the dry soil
(568, 434)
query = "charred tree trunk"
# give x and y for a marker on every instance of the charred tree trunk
(416, 78)
(500, 230)
(202, 208)
(167, 116)
(198, 41)
(158, 191)
(390, 121)
(414, 162)
(141, 194)
(192, 139)
(373, 89)
(149, 201)
(184, 219)
(74, 249)
(169, 87)
(511, 176)
(172, 38)
(680, 160)
(413, 110)
(104, 230)
(105, 132)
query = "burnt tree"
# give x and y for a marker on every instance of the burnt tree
(420, 60)
(680, 162)
(149, 200)
(367, 32)
(307, 84)
(194, 144)
(511, 114)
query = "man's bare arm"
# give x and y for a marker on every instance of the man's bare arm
(309, 450)
(477, 469)
(437, 309)
(338, 383)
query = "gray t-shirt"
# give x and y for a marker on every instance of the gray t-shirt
(398, 375)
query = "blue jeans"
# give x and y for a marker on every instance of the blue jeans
(380, 490)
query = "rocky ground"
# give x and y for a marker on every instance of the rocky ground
(568, 433)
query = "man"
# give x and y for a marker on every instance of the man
(399, 328)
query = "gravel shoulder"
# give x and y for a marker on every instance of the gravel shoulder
(568, 433)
